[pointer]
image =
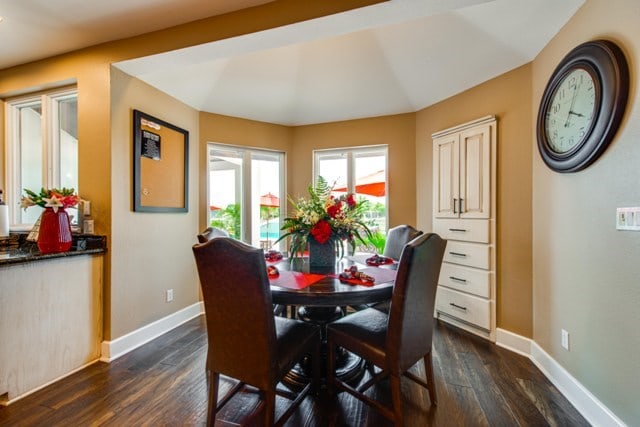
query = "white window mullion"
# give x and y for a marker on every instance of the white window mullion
(246, 223)
(351, 185)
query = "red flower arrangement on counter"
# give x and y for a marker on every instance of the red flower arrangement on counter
(50, 198)
(326, 218)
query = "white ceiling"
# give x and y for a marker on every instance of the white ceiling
(395, 57)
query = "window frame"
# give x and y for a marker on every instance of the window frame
(50, 127)
(351, 153)
(246, 223)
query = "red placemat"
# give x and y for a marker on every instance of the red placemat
(381, 275)
(374, 262)
(295, 279)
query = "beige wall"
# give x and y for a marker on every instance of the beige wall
(508, 98)
(398, 132)
(585, 273)
(150, 252)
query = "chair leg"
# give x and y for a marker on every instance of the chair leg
(396, 396)
(270, 407)
(331, 361)
(213, 397)
(431, 384)
(317, 366)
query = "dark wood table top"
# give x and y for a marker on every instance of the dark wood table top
(329, 291)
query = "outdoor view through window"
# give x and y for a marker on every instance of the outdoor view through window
(248, 200)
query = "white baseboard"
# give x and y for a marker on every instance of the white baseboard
(592, 409)
(514, 342)
(584, 401)
(111, 350)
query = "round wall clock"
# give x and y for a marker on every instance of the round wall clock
(582, 106)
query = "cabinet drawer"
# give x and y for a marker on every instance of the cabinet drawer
(465, 307)
(471, 280)
(469, 230)
(470, 254)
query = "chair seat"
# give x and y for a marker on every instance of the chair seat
(291, 335)
(363, 332)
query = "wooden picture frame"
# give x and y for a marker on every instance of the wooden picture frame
(160, 165)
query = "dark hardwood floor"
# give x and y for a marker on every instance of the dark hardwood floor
(163, 384)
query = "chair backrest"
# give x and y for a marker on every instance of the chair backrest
(238, 310)
(397, 237)
(210, 233)
(410, 324)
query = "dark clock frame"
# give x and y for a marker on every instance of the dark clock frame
(606, 63)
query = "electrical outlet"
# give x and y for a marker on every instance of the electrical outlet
(169, 295)
(86, 208)
(565, 340)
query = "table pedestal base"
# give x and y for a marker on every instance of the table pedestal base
(349, 367)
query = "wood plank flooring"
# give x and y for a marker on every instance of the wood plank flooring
(163, 384)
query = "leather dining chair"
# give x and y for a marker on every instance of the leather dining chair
(211, 232)
(245, 340)
(397, 237)
(397, 341)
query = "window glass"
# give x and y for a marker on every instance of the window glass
(225, 190)
(31, 156)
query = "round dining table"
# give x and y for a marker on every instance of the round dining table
(327, 299)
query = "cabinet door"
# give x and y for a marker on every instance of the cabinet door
(446, 176)
(475, 172)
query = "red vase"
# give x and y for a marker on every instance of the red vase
(54, 234)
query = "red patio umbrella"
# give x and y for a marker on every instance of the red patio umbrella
(214, 208)
(270, 201)
(373, 184)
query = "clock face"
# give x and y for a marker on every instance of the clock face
(582, 106)
(571, 112)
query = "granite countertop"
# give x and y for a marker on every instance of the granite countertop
(17, 249)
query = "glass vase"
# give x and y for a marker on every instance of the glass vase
(54, 234)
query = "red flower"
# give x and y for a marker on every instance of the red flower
(351, 201)
(334, 210)
(321, 231)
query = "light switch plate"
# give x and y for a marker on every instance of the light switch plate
(628, 219)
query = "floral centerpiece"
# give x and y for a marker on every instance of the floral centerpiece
(326, 219)
(54, 231)
(50, 198)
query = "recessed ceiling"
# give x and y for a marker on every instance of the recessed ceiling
(394, 57)
(390, 58)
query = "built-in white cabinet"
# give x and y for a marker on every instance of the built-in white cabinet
(462, 173)
(464, 213)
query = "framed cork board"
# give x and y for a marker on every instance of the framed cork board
(160, 165)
